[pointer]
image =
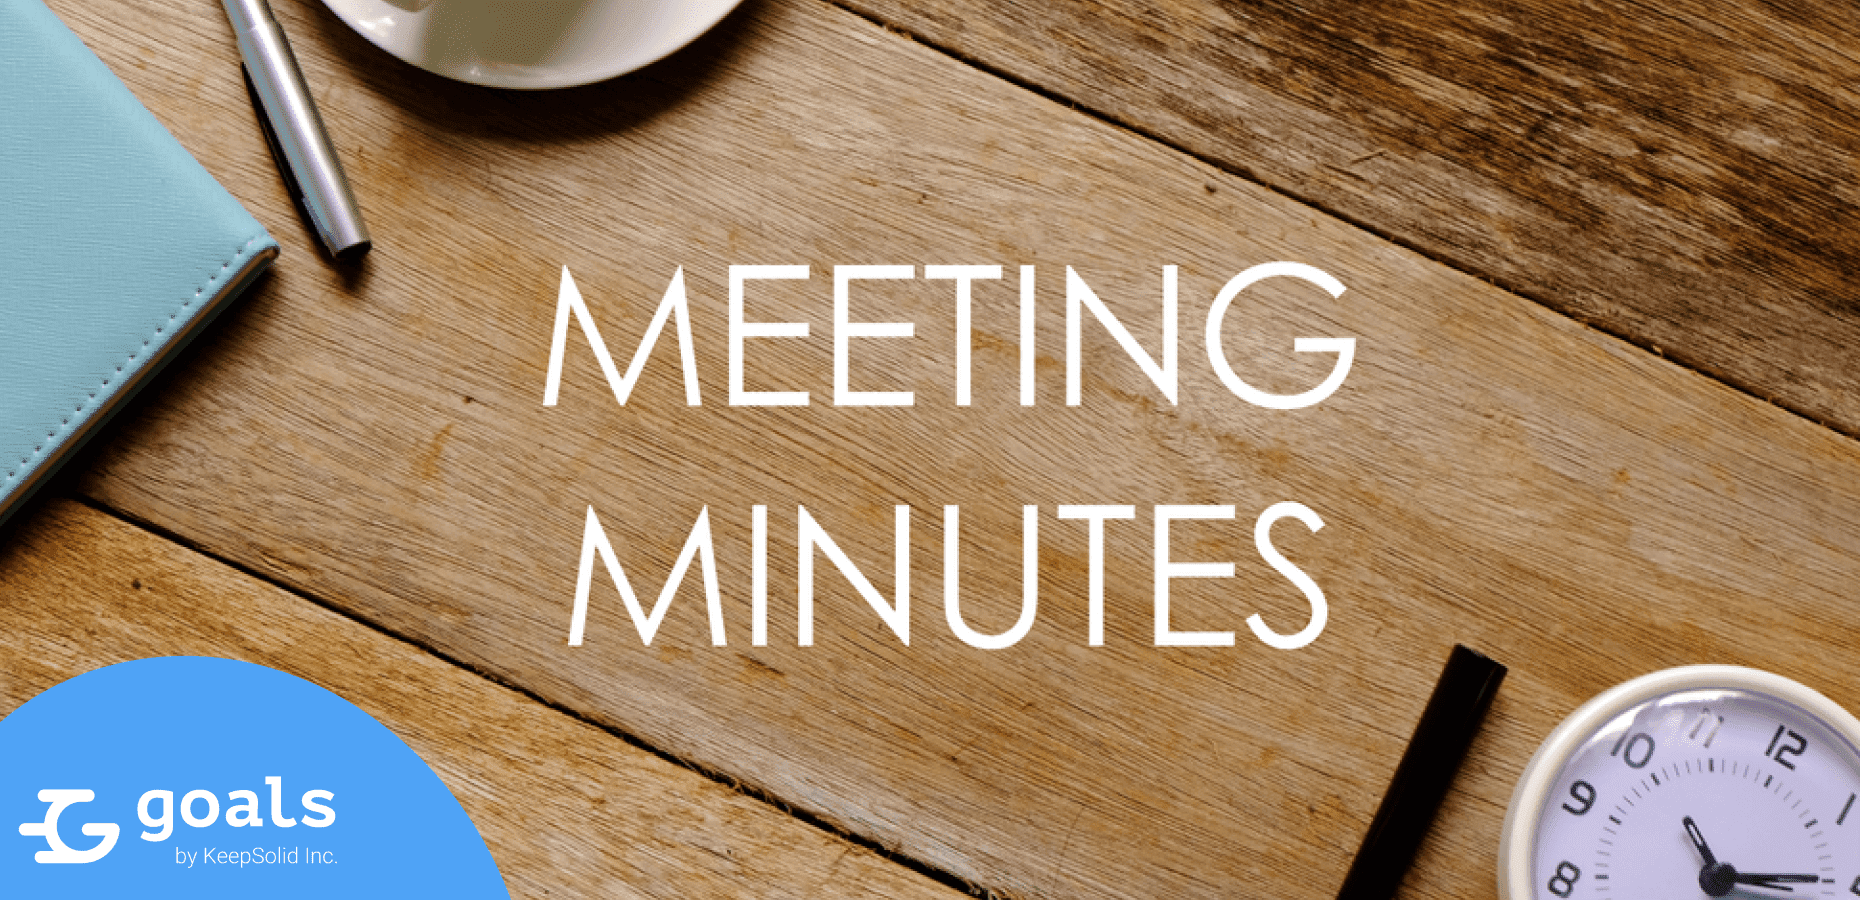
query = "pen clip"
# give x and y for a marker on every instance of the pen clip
(277, 150)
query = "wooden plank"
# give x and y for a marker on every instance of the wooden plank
(1680, 174)
(567, 809)
(1490, 472)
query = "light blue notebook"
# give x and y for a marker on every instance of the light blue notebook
(116, 247)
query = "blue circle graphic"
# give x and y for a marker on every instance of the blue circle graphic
(199, 777)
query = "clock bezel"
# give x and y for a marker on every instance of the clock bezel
(1519, 835)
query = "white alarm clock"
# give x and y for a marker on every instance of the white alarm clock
(1693, 782)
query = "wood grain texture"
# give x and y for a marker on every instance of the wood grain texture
(1680, 174)
(567, 809)
(1491, 472)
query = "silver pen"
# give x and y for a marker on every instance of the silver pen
(292, 127)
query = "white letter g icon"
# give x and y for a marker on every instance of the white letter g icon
(61, 798)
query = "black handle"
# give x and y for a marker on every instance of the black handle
(1448, 724)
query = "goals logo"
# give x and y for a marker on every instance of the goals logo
(199, 809)
(193, 777)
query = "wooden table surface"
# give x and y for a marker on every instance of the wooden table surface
(1600, 262)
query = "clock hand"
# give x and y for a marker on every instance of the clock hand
(1699, 841)
(1770, 880)
(1716, 877)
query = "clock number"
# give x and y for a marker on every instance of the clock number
(1637, 740)
(1567, 873)
(1802, 744)
(1584, 793)
(1706, 718)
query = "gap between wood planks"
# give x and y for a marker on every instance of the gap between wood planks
(944, 877)
(1399, 241)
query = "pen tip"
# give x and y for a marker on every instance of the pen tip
(353, 252)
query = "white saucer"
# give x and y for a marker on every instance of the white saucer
(531, 43)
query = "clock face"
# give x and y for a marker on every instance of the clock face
(1700, 792)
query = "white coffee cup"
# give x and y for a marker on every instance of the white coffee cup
(531, 43)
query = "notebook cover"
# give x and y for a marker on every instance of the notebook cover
(116, 247)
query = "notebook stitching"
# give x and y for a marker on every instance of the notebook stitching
(64, 425)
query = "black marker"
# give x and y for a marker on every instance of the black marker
(1448, 725)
